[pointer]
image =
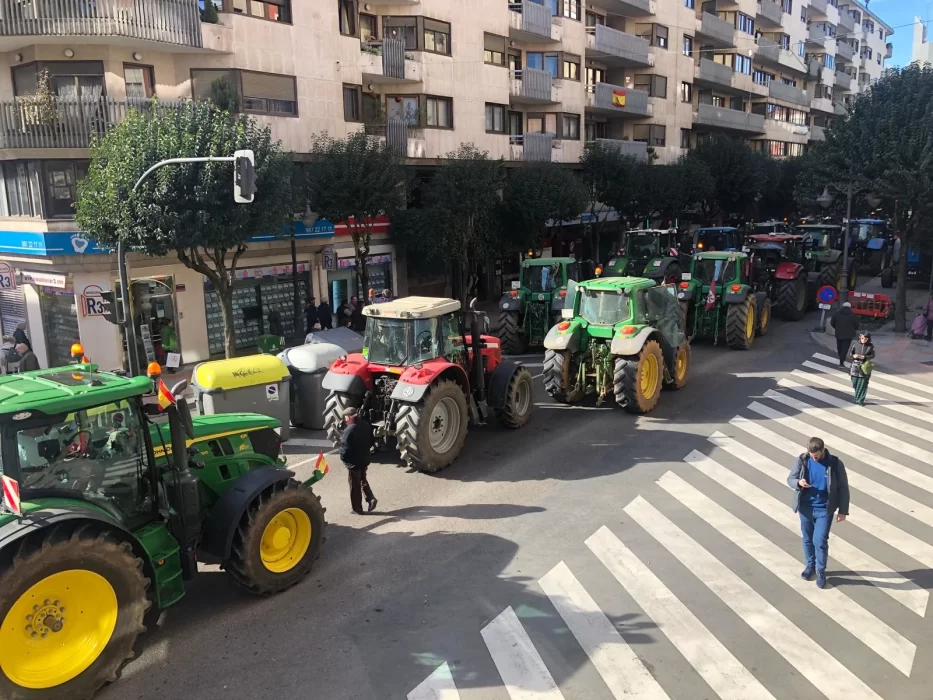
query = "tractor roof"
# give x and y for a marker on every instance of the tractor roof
(651, 231)
(528, 262)
(817, 227)
(712, 229)
(66, 389)
(775, 237)
(612, 284)
(413, 307)
(720, 255)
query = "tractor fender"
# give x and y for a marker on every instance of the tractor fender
(563, 340)
(659, 266)
(220, 525)
(788, 271)
(738, 297)
(497, 392)
(510, 303)
(622, 345)
(415, 381)
(349, 376)
(760, 299)
(34, 521)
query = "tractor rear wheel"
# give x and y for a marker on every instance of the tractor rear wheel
(853, 277)
(887, 278)
(334, 406)
(431, 433)
(680, 372)
(556, 381)
(830, 276)
(72, 605)
(741, 324)
(513, 343)
(519, 398)
(278, 539)
(764, 317)
(792, 298)
(638, 379)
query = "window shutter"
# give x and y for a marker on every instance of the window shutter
(272, 87)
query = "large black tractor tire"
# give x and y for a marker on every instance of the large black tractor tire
(278, 539)
(680, 372)
(510, 335)
(887, 278)
(334, 406)
(431, 433)
(72, 586)
(519, 400)
(741, 324)
(830, 275)
(764, 318)
(792, 298)
(638, 379)
(853, 277)
(556, 381)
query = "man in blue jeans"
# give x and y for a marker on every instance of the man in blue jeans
(821, 487)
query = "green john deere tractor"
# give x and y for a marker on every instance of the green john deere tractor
(647, 253)
(533, 305)
(823, 245)
(718, 300)
(117, 507)
(621, 337)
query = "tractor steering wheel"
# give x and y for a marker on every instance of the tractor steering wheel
(425, 344)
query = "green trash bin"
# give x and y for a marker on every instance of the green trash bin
(270, 344)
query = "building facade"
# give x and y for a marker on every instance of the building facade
(529, 80)
(921, 50)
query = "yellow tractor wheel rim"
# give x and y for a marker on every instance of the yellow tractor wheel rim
(650, 374)
(765, 317)
(750, 322)
(680, 364)
(286, 540)
(57, 629)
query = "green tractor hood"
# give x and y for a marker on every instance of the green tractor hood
(212, 427)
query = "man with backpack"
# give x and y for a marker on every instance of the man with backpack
(356, 443)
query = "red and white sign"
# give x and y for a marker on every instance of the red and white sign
(249, 273)
(7, 276)
(92, 303)
(45, 279)
(381, 224)
(11, 495)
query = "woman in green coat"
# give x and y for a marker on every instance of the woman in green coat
(862, 355)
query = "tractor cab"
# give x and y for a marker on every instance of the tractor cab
(870, 243)
(821, 237)
(717, 239)
(771, 227)
(649, 253)
(533, 305)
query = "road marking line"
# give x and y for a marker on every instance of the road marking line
(621, 669)
(903, 590)
(874, 633)
(866, 485)
(438, 686)
(829, 676)
(906, 395)
(875, 402)
(725, 674)
(520, 665)
(863, 519)
(308, 442)
(574, 407)
(919, 386)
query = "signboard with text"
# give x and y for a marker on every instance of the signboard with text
(7, 276)
(92, 301)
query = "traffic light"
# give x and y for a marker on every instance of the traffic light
(244, 177)
(110, 308)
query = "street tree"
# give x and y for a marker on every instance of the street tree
(537, 196)
(185, 209)
(610, 181)
(737, 176)
(678, 188)
(356, 180)
(883, 146)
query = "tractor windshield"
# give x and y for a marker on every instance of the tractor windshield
(605, 308)
(395, 341)
(707, 270)
(713, 239)
(819, 238)
(643, 246)
(867, 231)
(542, 278)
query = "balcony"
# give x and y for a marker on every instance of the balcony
(712, 74)
(535, 146)
(715, 31)
(843, 81)
(634, 149)
(769, 14)
(844, 52)
(405, 140)
(817, 38)
(818, 9)
(822, 104)
(817, 133)
(616, 48)
(729, 119)
(630, 8)
(142, 24)
(771, 52)
(529, 21)
(846, 22)
(385, 62)
(788, 93)
(532, 86)
(616, 101)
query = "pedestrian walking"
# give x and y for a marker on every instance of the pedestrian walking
(27, 358)
(311, 316)
(928, 314)
(324, 315)
(862, 355)
(358, 322)
(356, 443)
(821, 487)
(846, 325)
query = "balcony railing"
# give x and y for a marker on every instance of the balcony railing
(817, 8)
(65, 123)
(846, 22)
(538, 146)
(402, 138)
(629, 8)
(386, 61)
(788, 93)
(164, 21)
(531, 19)
(532, 84)
(635, 149)
(843, 81)
(620, 101)
(711, 72)
(844, 51)
(770, 12)
(716, 30)
(731, 119)
(613, 46)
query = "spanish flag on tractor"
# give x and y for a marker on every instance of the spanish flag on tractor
(165, 396)
(321, 464)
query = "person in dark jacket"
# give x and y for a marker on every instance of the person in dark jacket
(311, 317)
(358, 321)
(863, 351)
(821, 487)
(27, 358)
(324, 315)
(846, 325)
(356, 443)
(19, 335)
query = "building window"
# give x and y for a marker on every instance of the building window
(801, 50)
(595, 75)
(795, 149)
(652, 134)
(656, 35)
(785, 41)
(67, 79)
(515, 60)
(572, 9)
(762, 77)
(718, 101)
(777, 149)
(788, 6)
(439, 112)
(743, 64)
(404, 28)
(274, 10)
(436, 36)
(737, 103)
(744, 23)
(259, 93)
(654, 85)
(595, 130)
(346, 16)
(20, 189)
(803, 14)
(789, 81)
(570, 127)
(593, 19)
(881, 34)
(544, 61)
(691, 4)
(139, 81)
(61, 181)
(369, 28)
(516, 128)
(494, 49)
(542, 123)
(352, 102)
(688, 45)
(686, 92)
(571, 67)
(495, 119)
(685, 138)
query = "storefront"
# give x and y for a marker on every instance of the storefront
(343, 282)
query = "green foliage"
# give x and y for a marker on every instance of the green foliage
(225, 96)
(736, 172)
(677, 188)
(185, 208)
(40, 108)
(355, 180)
(537, 194)
(209, 13)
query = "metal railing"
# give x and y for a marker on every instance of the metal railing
(532, 83)
(724, 118)
(844, 51)
(604, 94)
(66, 123)
(535, 18)
(712, 72)
(771, 11)
(788, 93)
(612, 42)
(538, 146)
(818, 7)
(712, 27)
(166, 21)
(635, 149)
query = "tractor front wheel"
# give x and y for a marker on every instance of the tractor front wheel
(334, 406)
(72, 604)
(555, 370)
(278, 539)
(792, 298)
(764, 317)
(510, 335)
(519, 398)
(680, 372)
(740, 324)
(638, 379)
(431, 434)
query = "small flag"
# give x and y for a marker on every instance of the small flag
(165, 396)
(618, 98)
(711, 297)
(321, 464)
(11, 495)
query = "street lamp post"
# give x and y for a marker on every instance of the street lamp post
(826, 200)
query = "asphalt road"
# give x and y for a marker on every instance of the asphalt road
(583, 557)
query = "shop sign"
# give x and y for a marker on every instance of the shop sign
(7, 276)
(49, 243)
(329, 258)
(251, 273)
(92, 301)
(46, 279)
(346, 263)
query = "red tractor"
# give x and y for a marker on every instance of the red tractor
(775, 262)
(426, 373)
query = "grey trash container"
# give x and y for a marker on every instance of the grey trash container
(252, 384)
(350, 341)
(308, 364)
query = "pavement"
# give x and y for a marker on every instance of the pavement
(594, 555)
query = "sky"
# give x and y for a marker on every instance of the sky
(902, 12)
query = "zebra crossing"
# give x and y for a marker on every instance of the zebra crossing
(873, 611)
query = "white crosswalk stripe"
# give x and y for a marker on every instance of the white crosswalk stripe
(893, 378)
(438, 686)
(522, 669)
(893, 391)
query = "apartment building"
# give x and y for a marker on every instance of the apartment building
(922, 49)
